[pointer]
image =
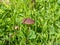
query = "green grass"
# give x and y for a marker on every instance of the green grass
(45, 31)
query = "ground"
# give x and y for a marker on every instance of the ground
(45, 30)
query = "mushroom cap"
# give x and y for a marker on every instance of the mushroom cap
(28, 21)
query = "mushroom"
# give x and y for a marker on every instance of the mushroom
(16, 27)
(28, 21)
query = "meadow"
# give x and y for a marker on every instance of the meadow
(44, 31)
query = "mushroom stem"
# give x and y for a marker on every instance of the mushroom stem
(28, 22)
(29, 27)
(28, 31)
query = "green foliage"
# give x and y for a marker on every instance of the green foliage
(45, 31)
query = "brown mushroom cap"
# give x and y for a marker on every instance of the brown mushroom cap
(28, 21)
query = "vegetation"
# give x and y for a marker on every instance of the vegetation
(45, 30)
